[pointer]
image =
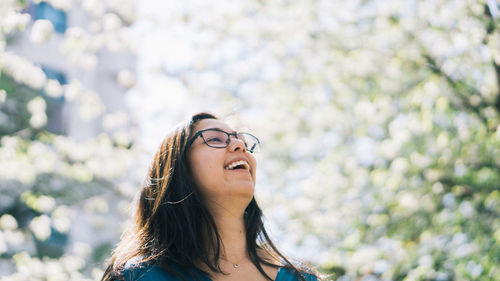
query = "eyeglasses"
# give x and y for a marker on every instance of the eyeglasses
(219, 139)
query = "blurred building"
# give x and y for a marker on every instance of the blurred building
(63, 117)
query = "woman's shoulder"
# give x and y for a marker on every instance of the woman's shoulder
(288, 274)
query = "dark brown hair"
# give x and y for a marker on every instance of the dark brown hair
(171, 224)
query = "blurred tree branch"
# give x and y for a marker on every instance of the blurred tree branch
(461, 88)
(490, 29)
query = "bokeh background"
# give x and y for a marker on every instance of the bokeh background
(379, 122)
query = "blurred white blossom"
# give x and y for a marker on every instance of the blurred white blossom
(8, 222)
(37, 108)
(14, 238)
(90, 105)
(10, 19)
(58, 4)
(3, 96)
(126, 79)
(3, 244)
(45, 203)
(36, 105)
(41, 31)
(111, 22)
(23, 71)
(94, 7)
(38, 120)
(61, 218)
(53, 88)
(41, 227)
(73, 91)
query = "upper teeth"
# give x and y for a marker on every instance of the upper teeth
(237, 163)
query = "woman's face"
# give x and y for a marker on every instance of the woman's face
(212, 170)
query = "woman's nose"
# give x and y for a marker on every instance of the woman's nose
(236, 144)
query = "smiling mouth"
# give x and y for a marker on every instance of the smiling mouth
(238, 165)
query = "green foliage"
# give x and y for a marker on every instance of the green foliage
(14, 109)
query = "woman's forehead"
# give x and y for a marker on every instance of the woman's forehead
(212, 123)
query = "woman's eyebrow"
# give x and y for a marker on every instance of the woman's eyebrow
(228, 131)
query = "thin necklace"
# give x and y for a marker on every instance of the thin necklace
(235, 265)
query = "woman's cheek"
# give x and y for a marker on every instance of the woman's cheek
(207, 176)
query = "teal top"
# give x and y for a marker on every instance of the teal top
(155, 273)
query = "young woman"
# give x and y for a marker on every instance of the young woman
(197, 218)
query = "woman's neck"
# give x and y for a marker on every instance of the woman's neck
(233, 236)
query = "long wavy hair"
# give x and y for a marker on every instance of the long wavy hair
(172, 227)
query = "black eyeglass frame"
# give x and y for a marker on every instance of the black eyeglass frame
(235, 134)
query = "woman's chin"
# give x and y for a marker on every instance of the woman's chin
(246, 189)
(241, 193)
